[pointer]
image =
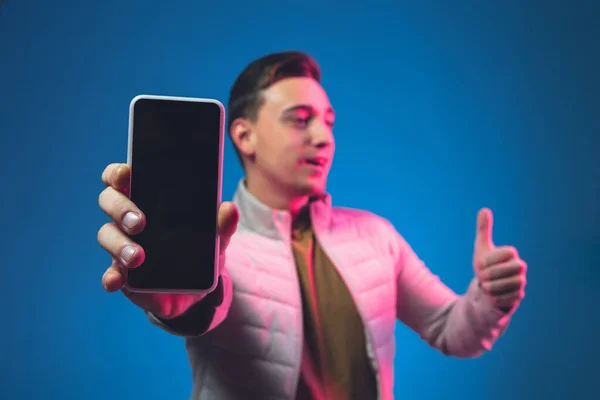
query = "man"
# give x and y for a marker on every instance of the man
(308, 294)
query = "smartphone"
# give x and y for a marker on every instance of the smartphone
(175, 152)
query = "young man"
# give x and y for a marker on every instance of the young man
(309, 294)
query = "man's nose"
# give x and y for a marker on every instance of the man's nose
(321, 135)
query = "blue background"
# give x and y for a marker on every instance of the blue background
(441, 110)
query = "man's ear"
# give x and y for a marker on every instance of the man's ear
(243, 137)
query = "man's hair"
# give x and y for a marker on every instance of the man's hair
(245, 96)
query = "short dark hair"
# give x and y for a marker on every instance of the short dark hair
(245, 95)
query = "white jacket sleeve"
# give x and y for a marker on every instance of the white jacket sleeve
(462, 326)
(203, 316)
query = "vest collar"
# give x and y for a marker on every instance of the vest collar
(258, 218)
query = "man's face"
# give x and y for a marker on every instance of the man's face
(294, 144)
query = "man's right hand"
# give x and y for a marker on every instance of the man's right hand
(127, 221)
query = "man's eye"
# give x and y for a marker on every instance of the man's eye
(301, 122)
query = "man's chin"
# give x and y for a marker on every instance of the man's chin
(311, 188)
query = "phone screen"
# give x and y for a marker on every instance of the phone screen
(176, 160)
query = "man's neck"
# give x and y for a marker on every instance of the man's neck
(275, 199)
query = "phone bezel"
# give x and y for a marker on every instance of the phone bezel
(218, 200)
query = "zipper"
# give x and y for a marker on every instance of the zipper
(374, 365)
(287, 249)
(300, 322)
(369, 339)
(319, 327)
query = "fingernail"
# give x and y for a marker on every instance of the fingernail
(127, 253)
(130, 220)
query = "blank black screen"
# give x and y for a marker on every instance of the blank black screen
(175, 172)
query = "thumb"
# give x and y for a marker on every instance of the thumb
(227, 223)
(485, 222)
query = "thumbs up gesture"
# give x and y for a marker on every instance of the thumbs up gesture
(500, 270)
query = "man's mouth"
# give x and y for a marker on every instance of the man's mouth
(316, 161)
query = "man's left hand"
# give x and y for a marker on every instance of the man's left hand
(500, 270)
